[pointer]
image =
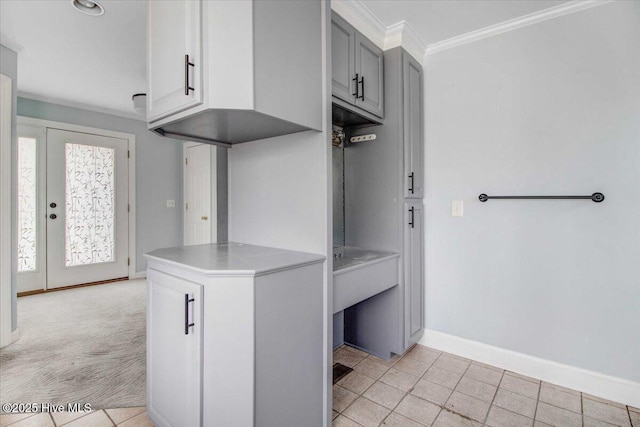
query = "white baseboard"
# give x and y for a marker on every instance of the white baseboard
(139, 275)
(591, 382)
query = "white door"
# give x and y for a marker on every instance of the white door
(174, 57)
(197, 186)
(86, 208)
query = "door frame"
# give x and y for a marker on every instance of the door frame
(131, 147)
(213, 236)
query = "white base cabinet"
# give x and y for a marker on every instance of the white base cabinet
(234, 336)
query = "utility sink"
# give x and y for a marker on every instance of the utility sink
(360, 273)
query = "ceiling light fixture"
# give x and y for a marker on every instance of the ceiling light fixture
(88, 7)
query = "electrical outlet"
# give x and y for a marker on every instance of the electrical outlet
(171, 203)
(457, 208)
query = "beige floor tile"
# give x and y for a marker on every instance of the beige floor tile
(141, 420)
(632, 409)
(342, 398)
(356, 351)
(431, 392)
(6, 419)
(635, 418)
(65, 417)
(522, 377)
(119, 415)
(601, 400)
(396, 420)
(558, 417)
(557, 387)
(384, 395)
(418, 410)
(484, 374)
(537, 423)
(367, 413)
(343, 421)
(560, 398)
(520, 386)
(451, 419)
(398, 379)
(499, 417)
(484, 365)
(346, 357)
(416, 367)
(94, 419)
(477, 389)
(356, 382)
(605, 412)
(335, 414)
(37, 420)
(451, 363)
(468, 406)
(590, 422)
(422, 354)
(442, 376)
(388, 363)
(371, 368)
(515, 403)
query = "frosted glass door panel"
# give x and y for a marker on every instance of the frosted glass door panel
(27, 204)
(87, 208)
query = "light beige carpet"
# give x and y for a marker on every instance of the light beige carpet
(84, 345)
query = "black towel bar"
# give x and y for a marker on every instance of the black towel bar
(596, 197)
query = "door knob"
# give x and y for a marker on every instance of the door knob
(53, 216)
(204, 217)
(53, 204)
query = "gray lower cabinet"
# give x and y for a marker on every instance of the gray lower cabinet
(234, 336)
(412, 113)
(357, 68)
(413, 273)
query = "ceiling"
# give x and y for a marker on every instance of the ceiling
(99, 62)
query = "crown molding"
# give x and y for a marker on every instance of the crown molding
(402, 34)
(512, 24)
(81, 106)
(362, 19)
(10, 44)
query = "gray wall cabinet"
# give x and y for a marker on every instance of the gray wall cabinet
(357, 68)
(412, 104)
(216, 73)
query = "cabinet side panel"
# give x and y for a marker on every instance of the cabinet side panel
(289, 353)
(288, 60)
(228, 49)
(228, 368)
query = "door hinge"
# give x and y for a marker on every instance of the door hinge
(186, 206)
(186, 161)
(128, 154)
(128, 261)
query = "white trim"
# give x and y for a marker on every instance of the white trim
(595, 383)
(131, 138)
(512, 24)
(362, 19)
(9, 43)
(81, 106)
(402, 34)
(6, 296)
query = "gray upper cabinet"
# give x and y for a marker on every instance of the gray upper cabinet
(412, 128)
(217, 74)
(357, 68)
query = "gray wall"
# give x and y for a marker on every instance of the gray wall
(158, 172)
(9, 67)
(552, 108)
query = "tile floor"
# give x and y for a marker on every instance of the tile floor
(122, 417)
(427, 387)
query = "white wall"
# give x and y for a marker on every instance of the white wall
(552, 108)
(158, 172)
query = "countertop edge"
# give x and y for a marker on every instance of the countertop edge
(366, 263)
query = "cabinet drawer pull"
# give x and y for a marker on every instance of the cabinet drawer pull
(412, 211)
(411, 187)
(362, 83)
(356, 81)
(187, 325)
(187, 64)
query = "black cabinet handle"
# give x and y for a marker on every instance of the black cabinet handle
(356, 81)
(187, 64)
(412, 211)
(362, 83)
(411, 187)
(187, 325)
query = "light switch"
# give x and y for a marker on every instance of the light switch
(171, 203)
(457, 208)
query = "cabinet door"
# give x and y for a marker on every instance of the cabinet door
(413, 273)
(412, 128)
(174, 356)
(370, 71)
(174, 30)
(342, 59)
